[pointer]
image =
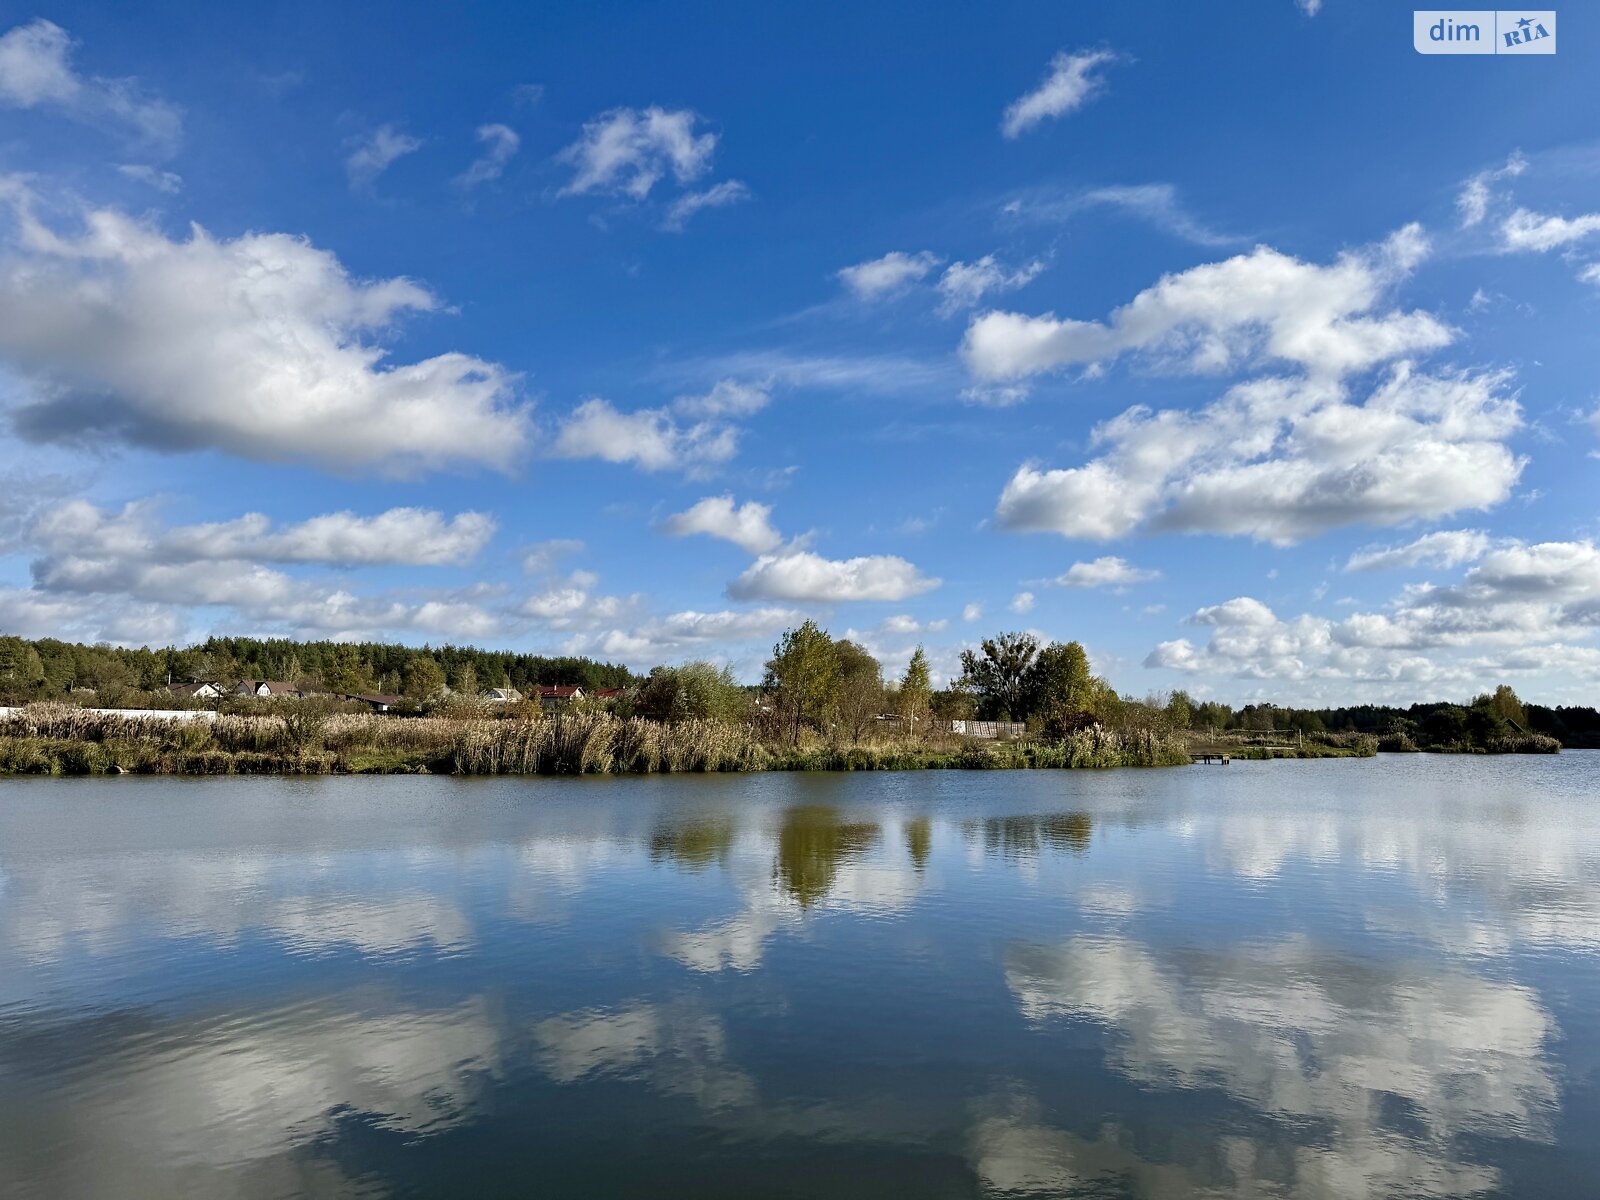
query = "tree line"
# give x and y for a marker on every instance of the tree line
(1476, 723)
(812, 680)
(47, 668)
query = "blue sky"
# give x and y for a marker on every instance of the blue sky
(1254, 350)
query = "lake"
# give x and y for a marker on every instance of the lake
(1354, 978)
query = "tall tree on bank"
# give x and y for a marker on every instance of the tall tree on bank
(1505, 705)
(916, 690)
(803, 676)
(997, 674)
(1059, 686)
(860, 689)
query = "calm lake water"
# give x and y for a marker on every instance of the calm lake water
(1321, 979)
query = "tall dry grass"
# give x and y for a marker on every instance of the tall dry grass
(60, 739)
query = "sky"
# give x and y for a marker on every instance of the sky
(1249, 347)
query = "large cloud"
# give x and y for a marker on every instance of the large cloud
(260, 346)
(1281, 460)
(1521, 610)
(126, 578)
(409, 536)
(1264, 306)
(805, 576)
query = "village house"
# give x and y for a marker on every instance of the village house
(562, 694)
(377, 701)
(609, 693)
(502, 695)
(267, 688)
(195, 691)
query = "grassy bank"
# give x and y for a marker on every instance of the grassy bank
(59, 740)
(1248, 748)
(1513, 743)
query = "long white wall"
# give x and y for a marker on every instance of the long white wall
(160, 714)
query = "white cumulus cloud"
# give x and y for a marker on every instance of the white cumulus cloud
(1258, 307)
(1526, 230)
(882, 277)
(1107, 572)
(964, 285)
(806, 576)
(1281, 460)
(628, 151)
(1522, 609)
(410, 536)
(261, 346)
(747, 525)
(651, 438)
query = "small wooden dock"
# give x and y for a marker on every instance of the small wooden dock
(1210, 759)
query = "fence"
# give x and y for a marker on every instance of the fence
(981, 729)
(133, 714)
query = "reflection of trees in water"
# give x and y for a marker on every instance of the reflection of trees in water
(693, 845)
(812, 842)
(919, 840)
(1022, 837)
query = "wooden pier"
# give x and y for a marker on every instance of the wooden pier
(1220, 760)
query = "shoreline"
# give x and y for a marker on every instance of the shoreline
(58, 740)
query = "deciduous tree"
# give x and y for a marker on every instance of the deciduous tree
(916, 690)
(860, 689)
(803, 676)
(997, 674)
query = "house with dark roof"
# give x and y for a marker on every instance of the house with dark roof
(266, 688)
(195, 690)
(377, 700)
(560, 694)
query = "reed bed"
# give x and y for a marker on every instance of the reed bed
(63, 740)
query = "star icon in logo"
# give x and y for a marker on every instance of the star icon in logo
(1525, 22)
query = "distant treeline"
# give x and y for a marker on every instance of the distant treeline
(812, 679)
(47, 668)
(1439, 723)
